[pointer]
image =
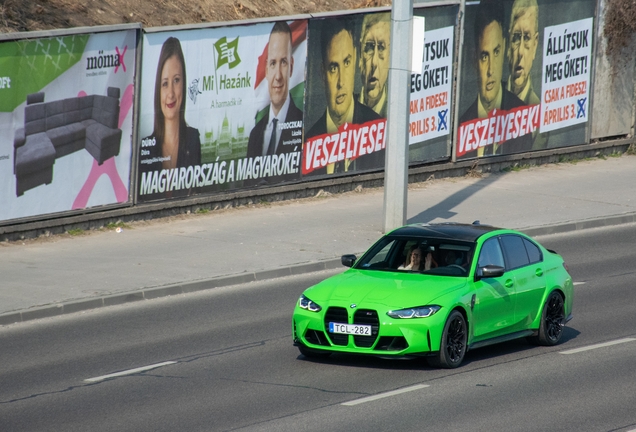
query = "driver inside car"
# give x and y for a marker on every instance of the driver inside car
(455, 258)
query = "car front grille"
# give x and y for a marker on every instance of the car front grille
(361, 316)
(368, 317)
(337, 315)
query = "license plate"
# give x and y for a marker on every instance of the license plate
(352, 329)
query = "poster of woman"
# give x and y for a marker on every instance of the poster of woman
(208, 98)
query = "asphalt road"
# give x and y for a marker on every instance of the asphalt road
(232, 365)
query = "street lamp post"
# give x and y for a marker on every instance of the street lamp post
(396, 162)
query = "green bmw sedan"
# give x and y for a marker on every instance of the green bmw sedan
(436, 291)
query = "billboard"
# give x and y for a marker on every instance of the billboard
(346, 98)
(525, 76)
(65, 122)
(221, 108)
(431, 90)
(431, 102)
(567, 56)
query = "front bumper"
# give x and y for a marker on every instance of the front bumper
(391, 337)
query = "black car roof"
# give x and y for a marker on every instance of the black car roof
(449, 230)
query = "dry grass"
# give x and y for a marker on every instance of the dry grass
(27, 15)
(619, 29)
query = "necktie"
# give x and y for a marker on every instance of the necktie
(271, 149)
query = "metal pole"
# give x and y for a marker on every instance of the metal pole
(397, 135)
(459, 34)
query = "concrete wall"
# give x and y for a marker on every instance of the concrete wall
(614, 88)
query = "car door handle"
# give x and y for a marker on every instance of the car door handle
(509, 283)
(539, 272)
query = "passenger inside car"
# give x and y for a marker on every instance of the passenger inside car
(418, 260)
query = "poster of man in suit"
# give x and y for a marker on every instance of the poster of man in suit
(515, 87)
(279, 131)
(342, 134)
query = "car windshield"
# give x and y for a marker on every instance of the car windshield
(442, 257)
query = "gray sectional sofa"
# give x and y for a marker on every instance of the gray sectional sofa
(58, 128)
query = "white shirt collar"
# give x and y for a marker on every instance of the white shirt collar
(282, 115)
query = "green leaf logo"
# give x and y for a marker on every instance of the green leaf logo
(227, 53)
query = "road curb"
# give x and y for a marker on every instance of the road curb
(72, 306)
(600, 222)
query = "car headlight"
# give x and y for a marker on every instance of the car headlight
(305, 303)
(416, 312)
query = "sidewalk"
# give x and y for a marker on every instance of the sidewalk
(59, 275)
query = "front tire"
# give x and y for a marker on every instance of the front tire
(453, 346)
(552, 321)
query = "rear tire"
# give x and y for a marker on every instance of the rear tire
(453, 346)
(552, 321)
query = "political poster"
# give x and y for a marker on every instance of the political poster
(432, 98)
(431, 90)
(567, 59)
(513, 70)
(66, 122)
(221, 109)
(346, 100)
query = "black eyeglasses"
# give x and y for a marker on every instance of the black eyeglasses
(370, 47)
(516, 38)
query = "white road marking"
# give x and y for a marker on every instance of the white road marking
(130, 371)
(578, 283)
(385, 395)
(601, 345)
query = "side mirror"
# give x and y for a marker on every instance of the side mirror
(490, 271)
(348, 260)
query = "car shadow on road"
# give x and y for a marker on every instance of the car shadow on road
(371, 362)
(513, 350)
(517, 347)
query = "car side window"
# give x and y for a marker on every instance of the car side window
(534, 253)
(516, 255)
(491, 254)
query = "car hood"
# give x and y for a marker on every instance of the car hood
(391, 289)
